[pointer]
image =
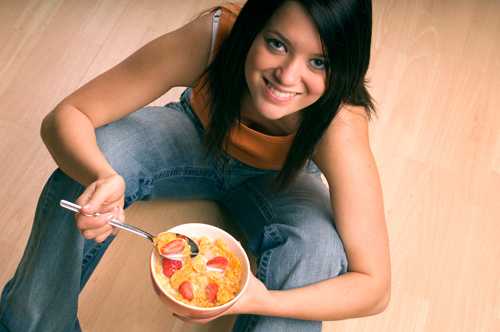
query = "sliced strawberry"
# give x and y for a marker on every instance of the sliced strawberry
(218, 262)
(173, 247)
(211, 291)
(186, 290)
(170, 266)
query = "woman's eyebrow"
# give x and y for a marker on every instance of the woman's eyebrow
(288, 42)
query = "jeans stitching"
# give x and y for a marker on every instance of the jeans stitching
(90, 255)
(263, 267)
(192, 172)
(263, 205)
(186, 108)
(183, 171)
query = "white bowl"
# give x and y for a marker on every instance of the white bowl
(196, 230)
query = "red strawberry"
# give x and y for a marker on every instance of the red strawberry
(211, 291)
(170, 266)
(172, 247)
(218, 262)
(186, 290)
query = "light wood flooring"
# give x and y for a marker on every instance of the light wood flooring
(435, 74)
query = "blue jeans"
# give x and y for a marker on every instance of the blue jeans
(159, 152)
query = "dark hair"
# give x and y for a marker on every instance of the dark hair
(344, 27)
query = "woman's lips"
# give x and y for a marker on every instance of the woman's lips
(277, 95)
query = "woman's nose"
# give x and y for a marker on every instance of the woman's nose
(288, 73)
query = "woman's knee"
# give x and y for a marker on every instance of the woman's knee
(321, 239)
(303, 254)
(148, 141)
(123, 141)
(124, 144)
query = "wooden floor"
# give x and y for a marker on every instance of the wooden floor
(435, 74)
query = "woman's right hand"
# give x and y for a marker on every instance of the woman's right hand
(105, 196)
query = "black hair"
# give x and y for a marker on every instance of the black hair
(345, 28)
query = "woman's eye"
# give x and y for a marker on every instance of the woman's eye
(276, 44)
(318, 64)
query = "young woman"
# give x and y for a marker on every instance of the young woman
(278, 98)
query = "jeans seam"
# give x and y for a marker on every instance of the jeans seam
(188, 109)
(264, 207)
(87, 258)
(183, 171)
(262, 269)
(187, 171)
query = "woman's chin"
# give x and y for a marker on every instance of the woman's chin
(271, 111)
(270, 114)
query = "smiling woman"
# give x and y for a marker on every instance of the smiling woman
(274, 98)
(284, 69)
(318, 51)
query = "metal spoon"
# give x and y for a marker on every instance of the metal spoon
(127, 227)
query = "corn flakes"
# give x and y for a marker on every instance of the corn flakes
(210, 279)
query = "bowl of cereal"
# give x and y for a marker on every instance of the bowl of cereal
(204, 285)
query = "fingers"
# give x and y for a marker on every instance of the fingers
(101, 194)
(119, 213)
(99, 232)
(101, 201)
(85, 196)
(104, 236)
(94, 199)
(98, 227)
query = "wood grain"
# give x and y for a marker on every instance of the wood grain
(435, 76)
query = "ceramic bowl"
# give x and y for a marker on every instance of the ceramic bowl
(196, 230)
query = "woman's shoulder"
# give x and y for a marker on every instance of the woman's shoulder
(350, 123)
(353, 113)
(347, 134)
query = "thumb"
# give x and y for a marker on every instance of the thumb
(94, 197)
(84, 199)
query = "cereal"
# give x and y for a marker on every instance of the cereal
(209, 279)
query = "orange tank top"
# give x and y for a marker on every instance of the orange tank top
(243, 143)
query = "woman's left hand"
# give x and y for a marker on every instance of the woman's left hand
(255, 293)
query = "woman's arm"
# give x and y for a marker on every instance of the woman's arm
(345, 158)
(175, 59)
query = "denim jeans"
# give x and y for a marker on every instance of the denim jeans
(159, 152)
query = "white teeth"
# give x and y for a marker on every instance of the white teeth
(279, 93)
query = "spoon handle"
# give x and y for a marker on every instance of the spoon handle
(114, 222)
(132, 229)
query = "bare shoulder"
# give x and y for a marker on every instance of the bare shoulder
(350, 119)
(350, 126)
(345, 142)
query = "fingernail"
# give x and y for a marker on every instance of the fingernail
(87, 207)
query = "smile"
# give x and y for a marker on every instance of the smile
(277, 94)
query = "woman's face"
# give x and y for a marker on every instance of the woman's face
(285, 69)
